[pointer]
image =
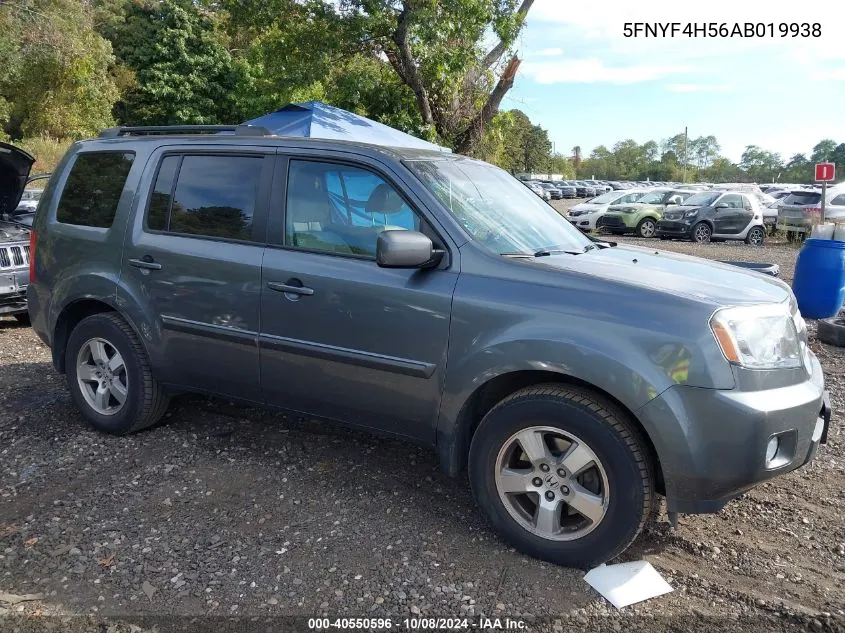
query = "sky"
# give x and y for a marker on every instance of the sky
(588, 85)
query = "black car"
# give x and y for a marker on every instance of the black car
(716, 215)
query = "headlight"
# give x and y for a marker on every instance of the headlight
(691, 214)
(758, 337)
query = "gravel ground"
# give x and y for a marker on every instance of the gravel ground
(226, 516)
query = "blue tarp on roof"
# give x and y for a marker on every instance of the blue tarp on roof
(319, 120)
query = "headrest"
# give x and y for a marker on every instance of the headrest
(384, 199)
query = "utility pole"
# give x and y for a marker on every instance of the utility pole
(685, 154)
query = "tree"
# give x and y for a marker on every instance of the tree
(761, 165)
(436, 49)
(823, 151)
(576, 157)
(54, 79)
(183, 72)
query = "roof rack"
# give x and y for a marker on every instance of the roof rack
(143, 130)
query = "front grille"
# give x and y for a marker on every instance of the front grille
(14, 256)
(612, 220)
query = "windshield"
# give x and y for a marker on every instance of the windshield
(495, 209)
(606, 198)
(704, 199)
(655, 197)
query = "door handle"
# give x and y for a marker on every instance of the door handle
(146, 262)
(287, 288)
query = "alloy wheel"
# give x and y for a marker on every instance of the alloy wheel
(552, 483)
(702, 233)
(647, 228)
(101, 375)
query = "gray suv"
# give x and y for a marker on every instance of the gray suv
(430, 296)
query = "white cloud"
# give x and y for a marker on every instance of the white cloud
(700, 88)
(547, 52)
(592, 70)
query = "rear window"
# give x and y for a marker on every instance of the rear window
(93, 188)
(839, 201)
(800, 198)
(209, 196)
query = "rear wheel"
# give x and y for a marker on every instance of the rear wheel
(562, 475)
(647, 227)
(701, 233)
(109, 377)
(755, 236)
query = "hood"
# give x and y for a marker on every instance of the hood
(678, 210)
(585, 207)
(672, 273)
(14, 171)
(634, 207)
(12, 232)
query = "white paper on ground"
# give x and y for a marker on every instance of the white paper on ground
(627, 583)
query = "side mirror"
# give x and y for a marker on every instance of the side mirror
(722, 205)
(406, 249)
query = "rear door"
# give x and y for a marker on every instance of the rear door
(194, 257)
(341, 337)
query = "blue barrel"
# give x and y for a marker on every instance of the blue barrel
(819, 280)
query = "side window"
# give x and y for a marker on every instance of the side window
(214, 196)
(162, 193)
(341, 209)
(631, 197)
(734, 201)
(93, 188)
(839, 200)
(746, 203)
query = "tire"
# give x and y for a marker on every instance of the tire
(755, 236)
(23, 318)
(831, 331)
(626, 486)
(701, 233)
(144, 399)
(647, 227)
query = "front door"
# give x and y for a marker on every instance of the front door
(195, 257)
(728, 219)
(341, 337)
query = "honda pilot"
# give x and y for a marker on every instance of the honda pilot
(432, 297)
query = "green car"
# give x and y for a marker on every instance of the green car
(641, 217)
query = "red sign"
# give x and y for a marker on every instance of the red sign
(825, 172)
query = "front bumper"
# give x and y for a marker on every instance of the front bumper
(614, 222)
(13, 285)
(673, 228)
(712, 444)
(583, 222)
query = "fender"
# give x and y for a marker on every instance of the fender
(631, 367)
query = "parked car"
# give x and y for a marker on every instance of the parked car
(600, 187)
(584, 190)
(585, 214)
(15, 165)
(554, 192)
(544, 193)
(566, 190)
(641, 217)
(429, 296)
(715, 215)
(802, 208)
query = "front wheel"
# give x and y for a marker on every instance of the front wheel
(755, 236)
(109, 376)
(701, 233)
(646, 228)
(562, 475)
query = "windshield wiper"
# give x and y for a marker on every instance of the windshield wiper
(546, 252)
